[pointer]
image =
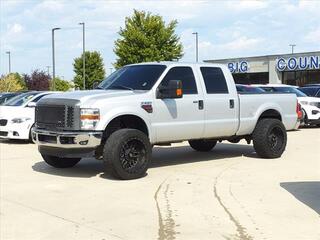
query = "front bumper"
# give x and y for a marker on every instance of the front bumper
(16, 130)
(67, 144)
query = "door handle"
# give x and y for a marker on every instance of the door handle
(200, 104)
(231, 103)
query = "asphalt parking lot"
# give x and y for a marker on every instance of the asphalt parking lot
(228, 193)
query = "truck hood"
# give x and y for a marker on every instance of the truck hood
(94, 95)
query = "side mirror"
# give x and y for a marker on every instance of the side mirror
(95, 85)
(173, 90)
(31, 104)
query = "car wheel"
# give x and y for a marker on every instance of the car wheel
(127, 152)
(269, 138)
(59, 162)
(202, 145)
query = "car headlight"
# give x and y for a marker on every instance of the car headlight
(20, 120)
(89, 118)
(304, 103)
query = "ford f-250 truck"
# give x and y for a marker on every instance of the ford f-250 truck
(143, 105)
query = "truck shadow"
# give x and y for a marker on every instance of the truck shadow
(306, 192)
(161, 156)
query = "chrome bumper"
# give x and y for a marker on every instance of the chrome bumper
(66, 139)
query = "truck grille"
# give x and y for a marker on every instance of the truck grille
(3, 122)
(54, 117)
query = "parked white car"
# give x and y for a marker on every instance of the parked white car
(310, 105)
(17, 115)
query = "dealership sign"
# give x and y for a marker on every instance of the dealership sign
(298, 63)
(238, 67)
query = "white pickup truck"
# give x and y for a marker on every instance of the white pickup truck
(147, 104)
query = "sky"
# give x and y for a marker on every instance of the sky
(226, 29)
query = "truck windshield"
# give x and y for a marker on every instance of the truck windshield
(20, 99)
(135, 77)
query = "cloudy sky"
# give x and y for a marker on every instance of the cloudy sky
(226, 29)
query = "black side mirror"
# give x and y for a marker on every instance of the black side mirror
(95, 85)
(173, 90)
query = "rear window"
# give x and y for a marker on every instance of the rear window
(214, 80)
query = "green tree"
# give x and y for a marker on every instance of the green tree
(146, 38)
(10, 83)
(60, 85)
(94, 68)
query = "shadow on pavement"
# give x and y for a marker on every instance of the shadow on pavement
(306, 192)
(15, 141)
(161, 156)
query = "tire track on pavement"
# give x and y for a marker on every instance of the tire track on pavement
(241, 231)
(166, 226)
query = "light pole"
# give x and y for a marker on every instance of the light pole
(9, 55)
(197, 46)
(83, 54)
(48, 70)
(53, 59)
(292, 47)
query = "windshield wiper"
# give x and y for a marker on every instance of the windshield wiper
(120, 87)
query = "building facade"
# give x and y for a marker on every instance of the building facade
(294, 69)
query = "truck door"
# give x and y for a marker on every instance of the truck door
(221, 104)
(181, 118)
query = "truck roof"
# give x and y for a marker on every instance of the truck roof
(173, 63)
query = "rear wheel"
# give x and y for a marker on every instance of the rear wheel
(128, 153)
(269, 138)
(59, 162)
(202, 145)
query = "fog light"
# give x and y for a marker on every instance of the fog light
(314, 112)
(15, 134)
(83, 142)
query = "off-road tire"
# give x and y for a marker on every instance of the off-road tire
(269, 138)
(127, 152)
(59, 162)
(202, 145)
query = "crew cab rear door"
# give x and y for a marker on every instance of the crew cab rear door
(221, 102)
(180, 118)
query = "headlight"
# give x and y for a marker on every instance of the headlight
(20, 120)
(304, 103)
(89, 118)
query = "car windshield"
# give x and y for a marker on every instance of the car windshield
(135, 77)
(249, 89)
(310, 91)
(21, 99)
(291, 90)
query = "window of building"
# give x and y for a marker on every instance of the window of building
(185, 75)
(251, 78)
(301, 78)
(214, 80)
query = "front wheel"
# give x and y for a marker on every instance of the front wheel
(59, 162)
(202, 145)
(269, 138)
(128, 153)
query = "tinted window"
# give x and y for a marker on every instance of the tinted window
(310, 91)
(38, 98)
(185, 75)
(136, 77)
(214, 80)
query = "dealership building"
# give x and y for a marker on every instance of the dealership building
(294, 69)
